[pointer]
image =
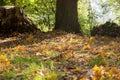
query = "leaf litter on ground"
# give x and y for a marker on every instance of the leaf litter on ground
(75, 57)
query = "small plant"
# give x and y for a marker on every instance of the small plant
(8, 74)
(96, 61)
(43, 71)
(25, 59)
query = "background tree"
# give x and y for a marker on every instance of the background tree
(41, 12)
(67, 16)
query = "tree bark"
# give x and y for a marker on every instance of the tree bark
(13, 19)
(67, 16)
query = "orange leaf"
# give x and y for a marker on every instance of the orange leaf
(94, 78)
(86, 47)
(19, 47)
(83, 79)
(7, 62)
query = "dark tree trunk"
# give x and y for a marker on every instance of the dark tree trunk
(13, 19)
(67, 16)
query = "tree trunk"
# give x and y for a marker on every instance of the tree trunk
(67, 16)
(13, 19)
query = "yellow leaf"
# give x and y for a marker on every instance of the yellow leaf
(59, 48)
(86, 47)
(3, 62)
(103, 54)
(68, 54)
(113, 43)
(65, 70)
(77, 70)
(96, 68)
(73, 40)
(98, 71)
(91, 40)
(110, 53)
(106, 47)
(19, 47)
(3, 57)
(113, 71)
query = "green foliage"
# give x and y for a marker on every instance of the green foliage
(85, 16)
(31, 68)
(118, 62)
(116, 5)
(25, 59)
(8, 75)
(4, 2)
(96, 61)
(44, 71)
(42, 12)
(1, 52)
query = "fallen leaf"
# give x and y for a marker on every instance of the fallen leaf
(65, 70)
(77, 70)
(83, 79)
(86, 47)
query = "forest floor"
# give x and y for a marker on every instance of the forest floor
(58, 55)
